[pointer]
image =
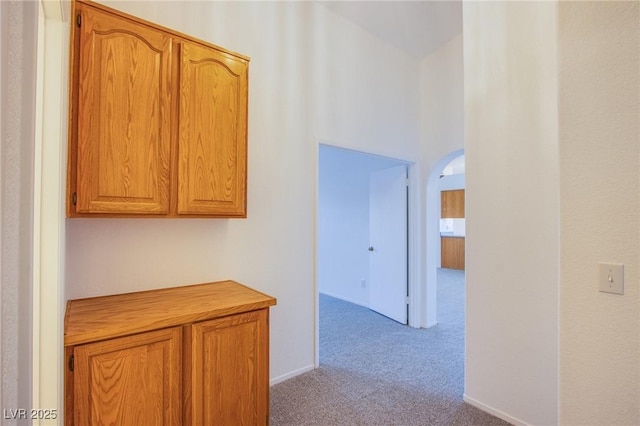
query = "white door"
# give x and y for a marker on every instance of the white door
(388, 242)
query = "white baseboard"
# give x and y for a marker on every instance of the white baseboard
(290, 375)
(335, 296)
(431, 324)
(493, 411)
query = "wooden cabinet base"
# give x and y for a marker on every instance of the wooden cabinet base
(234, 340)
(452, 252)
(133, 380)
(193, 355)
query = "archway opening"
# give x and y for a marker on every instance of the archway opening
(447, 174)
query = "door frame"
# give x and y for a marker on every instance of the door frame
(47, 285)
(414, 253)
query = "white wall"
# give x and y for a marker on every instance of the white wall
(442, 136)
(599, 107)
(455, 167)
(552, 108)
(17, 115)
(451, 182)
(343, 222)
(442, 102)
(313, 76)
(512, 190)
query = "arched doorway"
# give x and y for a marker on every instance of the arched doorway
(433, 236)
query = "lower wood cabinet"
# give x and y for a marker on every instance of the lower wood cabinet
(129, 380)
(238, 367)
(193, 355)
(452, 252)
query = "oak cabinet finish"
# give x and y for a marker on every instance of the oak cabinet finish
(452, 204)
(452, 252)
(452, 248)
(212, 132)
(123, 108)
(134, 380)
(193, 355)
(158, 121)
(234, 340)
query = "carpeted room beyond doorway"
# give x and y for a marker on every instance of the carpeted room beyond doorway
(374, 371)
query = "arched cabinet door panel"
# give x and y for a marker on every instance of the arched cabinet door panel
(123, 115)
(212, 147)
(158, 121)
(133, 380)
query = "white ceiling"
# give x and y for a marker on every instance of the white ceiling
(417, 27)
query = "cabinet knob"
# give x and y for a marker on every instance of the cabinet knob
(370, 248)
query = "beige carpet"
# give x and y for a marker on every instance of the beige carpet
(374, 371)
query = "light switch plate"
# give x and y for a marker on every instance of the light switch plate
(611, 278)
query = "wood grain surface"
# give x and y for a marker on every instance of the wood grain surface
(231, 370)
(123, 117)
(106, 317)
(212, 131)
(452, 204)
(133, 380)
(157, 121)
(452, 252)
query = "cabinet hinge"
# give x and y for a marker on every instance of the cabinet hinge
(74, 198)
(79, 20)
(71, 358)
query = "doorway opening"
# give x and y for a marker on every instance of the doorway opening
(451, 273)
(357, 192)
(446, 230)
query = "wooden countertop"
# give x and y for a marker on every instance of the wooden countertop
(99, 318)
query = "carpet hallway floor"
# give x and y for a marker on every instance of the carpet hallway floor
(375, 371)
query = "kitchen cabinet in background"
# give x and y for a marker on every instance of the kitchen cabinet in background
(452, 204)
(452, 252)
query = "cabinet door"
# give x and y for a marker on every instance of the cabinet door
(452, 252)
(122, 107)
(230, 377)
(212, 142)
(452, 204)
(134, 380)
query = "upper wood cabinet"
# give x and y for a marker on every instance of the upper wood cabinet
(123, 115)
(212, 131)
(158, 121)
(452, 204)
